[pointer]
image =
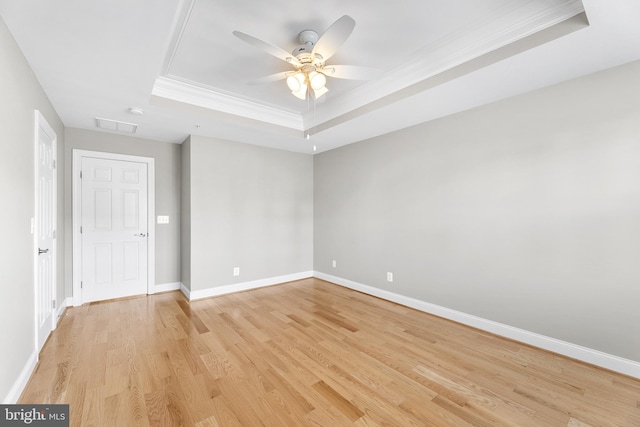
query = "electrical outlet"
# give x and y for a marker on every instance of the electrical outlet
(236, 271)
(334, 263)
(389, 276)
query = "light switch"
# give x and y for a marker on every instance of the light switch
(163, 219)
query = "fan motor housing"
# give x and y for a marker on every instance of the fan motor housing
(302, 49)
(305, 55)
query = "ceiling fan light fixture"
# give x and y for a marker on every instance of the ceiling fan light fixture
(317, 80)
(309, 59)
(296, 81)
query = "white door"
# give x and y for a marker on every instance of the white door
(114, 228)
(45, 229)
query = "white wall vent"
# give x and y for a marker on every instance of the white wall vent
(116, 125)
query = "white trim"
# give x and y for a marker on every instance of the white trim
(67, 302)
(21, 382)
(508, 24)
(244, 286)
(151, 213)
(165, 287)
(177, 89)
(594, 357)
(186, 291)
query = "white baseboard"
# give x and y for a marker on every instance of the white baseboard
(244, 286)
(67, 302)
(186, 291)
(165, 287)
(25, 374)
(21, 382)
(594, 357)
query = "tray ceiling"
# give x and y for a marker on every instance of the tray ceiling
(179, 62)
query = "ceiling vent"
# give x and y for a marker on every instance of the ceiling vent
(116, 125)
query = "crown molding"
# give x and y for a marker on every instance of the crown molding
(503, 26)
(185, 9)
(182, 90)
(190, 93)
(507, 25)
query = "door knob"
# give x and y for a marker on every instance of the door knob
(140, 235)
(42, 251)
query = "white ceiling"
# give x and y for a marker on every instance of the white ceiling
(179, 62)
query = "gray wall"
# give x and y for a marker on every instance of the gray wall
(20, 95)
(185, 206)
(525, 212)
(167, 198)
(251, 207)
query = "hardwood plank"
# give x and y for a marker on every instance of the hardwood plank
(309, 353)
(337, 401)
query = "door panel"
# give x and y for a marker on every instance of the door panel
(45, 230)
(131, 261)
(114, 228)
(131, 204)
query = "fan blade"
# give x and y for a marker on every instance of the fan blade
(329, 43)
(350, 72)
(268, 47)
(271, 78)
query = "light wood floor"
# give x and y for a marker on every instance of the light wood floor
(309, 353)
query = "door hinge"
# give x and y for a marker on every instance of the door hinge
(53, 164)
(80, 229)
(53, 234)
(80, 174)
(81, 284)
(53, 304)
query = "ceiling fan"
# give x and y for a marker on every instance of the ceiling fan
(310, 72)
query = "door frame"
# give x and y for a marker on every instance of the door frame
(78, 155)
(41, 123)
